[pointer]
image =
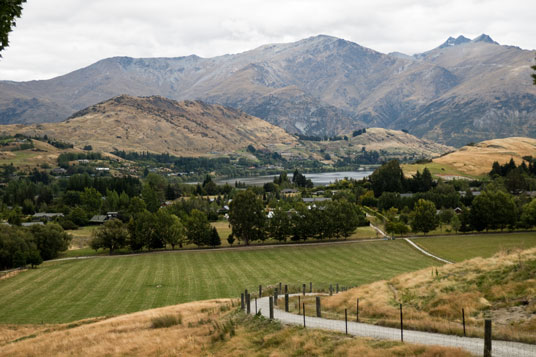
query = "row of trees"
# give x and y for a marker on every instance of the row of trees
(330, 219)
(156, 230)
(21, 246)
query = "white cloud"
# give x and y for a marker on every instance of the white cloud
(54, 37)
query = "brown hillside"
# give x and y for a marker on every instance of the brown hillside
(478, 159)
(157, 124)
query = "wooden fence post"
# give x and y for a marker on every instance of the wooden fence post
(299, 305)
(330, 289)
(487, 338)
(463, 321)
(286, 302)
(286, 289)
(357, 311)
(256, 312)
(401, 325)
(310, 286)
(260, 291)
(346, 319)
(271, 300)
(318, 307)
(275, 296)
(303, 314)
(248, 303)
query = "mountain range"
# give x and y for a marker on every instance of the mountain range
(464, 90)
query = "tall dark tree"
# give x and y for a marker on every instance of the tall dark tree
(9, 11)
(198, 228)
(247, 217)
(215, 238)
(388, 178)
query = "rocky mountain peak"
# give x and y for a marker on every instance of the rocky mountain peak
(451, 41)
(484, 38)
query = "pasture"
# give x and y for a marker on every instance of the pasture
(457, 248)
(70, 290)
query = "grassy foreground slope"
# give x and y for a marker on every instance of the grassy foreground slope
(207, 328)
(458, 248)
(76, 289)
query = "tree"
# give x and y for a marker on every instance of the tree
(34, 258)
(9, 11)
(388, 177)
(493, 209)
(424, 216)
(529, 214)
(113, 235)
(230, 239)
(141, 228)
(247, 218)
(455, 223)
(50, 240)
(396, 228)
(91, 200)
(198, 228)
(151, 198)
(278, 226)
(534, 74)
(169, 228)
(215, 238)
(345, 218)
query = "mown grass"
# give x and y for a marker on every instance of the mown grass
(70, 290)
(458, 248)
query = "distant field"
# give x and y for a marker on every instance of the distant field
(75, 289)
(436, 169)
(458, 248)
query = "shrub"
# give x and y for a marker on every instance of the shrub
(166, 321)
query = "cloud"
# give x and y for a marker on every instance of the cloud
(54, 37)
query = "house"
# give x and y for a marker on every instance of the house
(316, 199)
(288, 191)
(102, 168)
(58, 171)
(112, 214)
(46, 216)
(458, 210)
(29, 224)
(99, 219)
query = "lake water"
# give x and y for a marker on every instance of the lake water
(322, 178)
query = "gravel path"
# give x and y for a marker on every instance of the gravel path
(473, 345)
(425, 252)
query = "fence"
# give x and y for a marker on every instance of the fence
(304, 308)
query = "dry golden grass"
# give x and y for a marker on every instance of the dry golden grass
(502, 288)
(478, 159)
(207, 328)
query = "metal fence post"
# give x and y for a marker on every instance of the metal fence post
(487, 338)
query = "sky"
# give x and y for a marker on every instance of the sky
(55, 37)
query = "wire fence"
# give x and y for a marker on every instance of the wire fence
(302, 305)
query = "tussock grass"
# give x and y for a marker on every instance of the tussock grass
(208, 329)
(166, 321)
(502, 288)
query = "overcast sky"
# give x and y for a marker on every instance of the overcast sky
(54, 37)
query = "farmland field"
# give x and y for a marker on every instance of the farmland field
(64, 291)
(458, 248)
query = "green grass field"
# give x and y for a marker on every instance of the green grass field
(458, 248)
(75, 289)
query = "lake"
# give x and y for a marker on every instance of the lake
(321, 178)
